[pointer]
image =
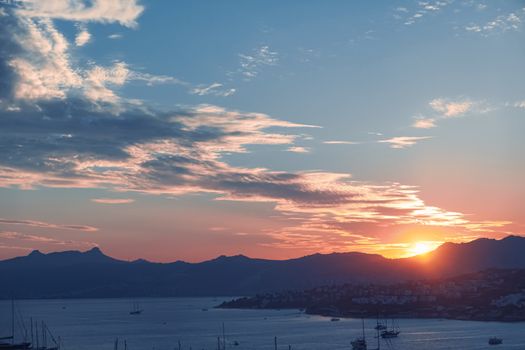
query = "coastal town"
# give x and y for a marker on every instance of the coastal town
(491, 295)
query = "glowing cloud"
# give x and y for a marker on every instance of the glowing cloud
(424, 123)
(48, 225)
(451, 108)
(404, 141)
(113, 200)
(83, 37)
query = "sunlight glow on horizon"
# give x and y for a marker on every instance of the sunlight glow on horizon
(422, 247)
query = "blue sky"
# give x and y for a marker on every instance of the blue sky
(190, 129)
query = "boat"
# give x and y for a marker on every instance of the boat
(135, 310)
(360, 342)
(8, 342)
(495, 341)
(335, 319)
(390, 333)
(39, 336)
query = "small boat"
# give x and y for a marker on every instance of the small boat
(360, 342)
(335, 319)
(495, 341)
(390, 333)
(136, 310)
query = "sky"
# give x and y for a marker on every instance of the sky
(185, 130)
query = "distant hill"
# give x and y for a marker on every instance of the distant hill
(74, 274)
(452, 259)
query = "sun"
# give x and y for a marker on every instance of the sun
(422, 247)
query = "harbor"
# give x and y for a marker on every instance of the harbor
(167, 323)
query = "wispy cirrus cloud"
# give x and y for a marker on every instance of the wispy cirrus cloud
(511, 21)
(252, 63)
(399, 142)
(412, 15)
(215, 89)
(115, 36)
(446, 108)
(113, 200)
(340, 142)
(22, 239)
(43, 224)
(298, 149)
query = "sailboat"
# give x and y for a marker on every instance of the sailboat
(135, 310)
(390, 333)
(42, 338)
(39, 337)
(360, 342)
(8, 342)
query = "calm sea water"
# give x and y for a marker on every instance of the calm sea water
(94, 324)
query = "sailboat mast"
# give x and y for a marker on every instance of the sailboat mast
(13, 320)
(36, 333)
(223, 337)
(378, 341)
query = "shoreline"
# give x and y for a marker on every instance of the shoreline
(373, 316)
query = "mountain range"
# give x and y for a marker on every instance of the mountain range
(92, 274)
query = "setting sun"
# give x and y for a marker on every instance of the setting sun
(423, 247)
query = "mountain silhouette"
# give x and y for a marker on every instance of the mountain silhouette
(74, 274)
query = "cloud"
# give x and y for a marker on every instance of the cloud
(22, 238)
(502, 23)
(450, 108)
(404, 141)
(424, 123)
(212, 89)
(98, 79)
(113, 200)
(336, 142)
(124, 12)
(39, 59)
(58, 129)
(446, 108)
(42, 64)
(252, 63)
(43, 224)
(83, 37)
(298, 149)
(520, 104)
(115, 36)
(423, 9)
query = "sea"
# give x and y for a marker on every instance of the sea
(195, 324)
